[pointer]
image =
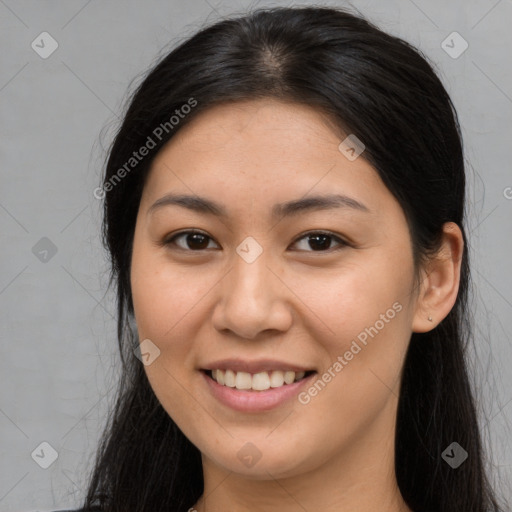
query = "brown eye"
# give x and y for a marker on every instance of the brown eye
(320, 241)
(194, 240)
(317, 241)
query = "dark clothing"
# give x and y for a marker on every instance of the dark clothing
(94, 509)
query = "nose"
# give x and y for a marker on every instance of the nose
(253, 299)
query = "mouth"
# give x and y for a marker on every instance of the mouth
(257, 382)
(255, 393)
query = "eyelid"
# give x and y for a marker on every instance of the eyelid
(169, 240)
(342, 242)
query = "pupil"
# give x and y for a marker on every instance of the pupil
(316, 237)
(194, 237)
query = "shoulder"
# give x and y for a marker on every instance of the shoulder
(94, 509)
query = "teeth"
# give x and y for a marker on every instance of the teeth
(258, 381)
(229, 378)
(289, 377)
(243, 380)
(276, 379)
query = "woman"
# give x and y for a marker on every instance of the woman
(284, 210)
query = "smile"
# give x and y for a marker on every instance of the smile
(258, 381)
(259, 392)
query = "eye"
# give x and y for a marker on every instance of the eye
(322, 240)
(195, 240)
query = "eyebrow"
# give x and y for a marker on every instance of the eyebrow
(294, 207)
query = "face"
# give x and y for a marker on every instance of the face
(265, 289)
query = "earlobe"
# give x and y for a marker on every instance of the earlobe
(440, 285)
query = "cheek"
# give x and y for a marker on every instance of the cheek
(366, 333)
(363, 315)
(345, 301)
(166, 307)
(163, 294)
(165, 303)
(167, 314)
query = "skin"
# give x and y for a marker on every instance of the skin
(296, 302)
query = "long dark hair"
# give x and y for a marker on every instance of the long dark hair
(384, 91)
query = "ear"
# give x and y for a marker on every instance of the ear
(440, 285)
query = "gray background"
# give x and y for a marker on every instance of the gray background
(59, 352)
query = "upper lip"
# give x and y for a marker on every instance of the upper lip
(257, 366)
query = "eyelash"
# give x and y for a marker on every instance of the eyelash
(342, 243)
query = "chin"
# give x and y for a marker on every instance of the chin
(263, 460)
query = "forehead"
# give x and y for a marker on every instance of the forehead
(273, 129)
(256, 151)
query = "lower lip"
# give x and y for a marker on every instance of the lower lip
(255, 401)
